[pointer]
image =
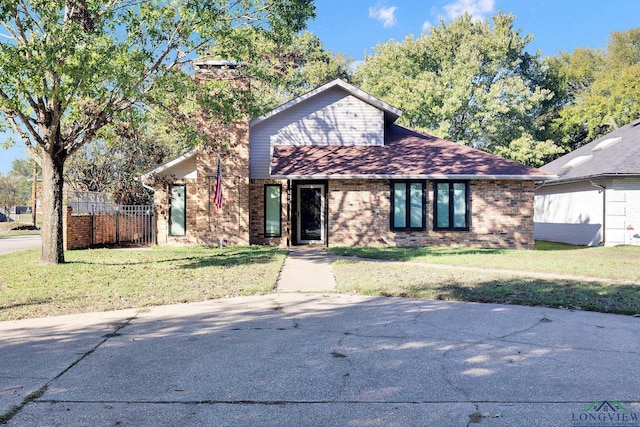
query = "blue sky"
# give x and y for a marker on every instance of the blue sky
(356, 26)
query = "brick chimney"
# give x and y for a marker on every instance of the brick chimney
(230, 143)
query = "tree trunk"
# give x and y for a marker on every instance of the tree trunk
(52, 231)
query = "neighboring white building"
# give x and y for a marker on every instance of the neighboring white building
(596, 198)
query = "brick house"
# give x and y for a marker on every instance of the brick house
(332, 168)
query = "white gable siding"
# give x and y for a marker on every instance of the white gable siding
(186, 169)
(332, 117)
(570, 213)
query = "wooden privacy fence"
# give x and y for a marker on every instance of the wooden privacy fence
(109, 224)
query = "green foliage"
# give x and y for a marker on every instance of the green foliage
(9, 192)
(467, 81)
(15, 187)
(70, 69)
(281, 70)
(602, 89)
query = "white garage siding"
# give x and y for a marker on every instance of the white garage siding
(333, 117)
(623, 212)
(569, 213)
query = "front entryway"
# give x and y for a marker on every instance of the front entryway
(310, 224)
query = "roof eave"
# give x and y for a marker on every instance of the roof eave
(589, 177)
(169, 164)
(416, 176)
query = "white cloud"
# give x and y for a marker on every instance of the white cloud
(384, 14)
(426, 26)
(478, 9)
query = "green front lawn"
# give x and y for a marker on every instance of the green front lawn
(111, 279)
(486, 275)
(622, 262)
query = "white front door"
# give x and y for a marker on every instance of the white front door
(310, 226)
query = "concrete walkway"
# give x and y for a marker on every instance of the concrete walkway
(307, 269)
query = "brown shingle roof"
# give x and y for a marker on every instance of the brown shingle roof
(406, 154)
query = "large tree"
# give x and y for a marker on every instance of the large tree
(468, 81)
(279, 70)
(71, 68)
(602, 88)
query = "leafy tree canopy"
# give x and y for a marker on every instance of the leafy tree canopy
(467, 81)
(69, 69)
(602, 89)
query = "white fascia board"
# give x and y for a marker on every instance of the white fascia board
(388, 109)
(557, 181)
(430, 177)
(170, 164)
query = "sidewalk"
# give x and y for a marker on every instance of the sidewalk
(307, 269)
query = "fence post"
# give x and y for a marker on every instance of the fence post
(154, 219)
(93, 224)
(117, 225)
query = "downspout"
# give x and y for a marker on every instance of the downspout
(289, 225)
(602, 189)
(141, 179)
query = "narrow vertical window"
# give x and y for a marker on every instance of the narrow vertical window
(178, 210)
(399, 205)
(451, 206)
(415, 204)
(272, 210)
(407, 205)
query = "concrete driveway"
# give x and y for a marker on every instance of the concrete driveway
(320, 360)
(19, 243)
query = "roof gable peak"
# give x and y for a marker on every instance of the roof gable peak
(391, 113)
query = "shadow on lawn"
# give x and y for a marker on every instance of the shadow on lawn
(235, 257)
(588, 296)
(199, 258)
(407, 254)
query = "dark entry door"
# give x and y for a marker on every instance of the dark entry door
(310, 227)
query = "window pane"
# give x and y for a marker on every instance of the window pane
(272, 210)
(416, 205)
(442, 220)
(178, 210)
(459, 205)
(399, 205)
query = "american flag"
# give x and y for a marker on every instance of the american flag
(217, 192)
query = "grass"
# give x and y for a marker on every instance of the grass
(619, 263)
(111, 279)
(475, 276)
(11, 229)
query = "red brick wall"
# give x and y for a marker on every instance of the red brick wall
(77, 230)
(501, 216)
(82, 231)
(230, 143)
(256, 214)
(162, 200)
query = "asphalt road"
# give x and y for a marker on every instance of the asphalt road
(19, 243)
